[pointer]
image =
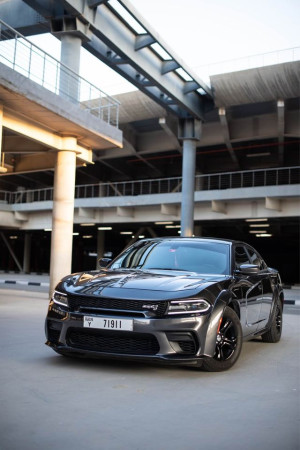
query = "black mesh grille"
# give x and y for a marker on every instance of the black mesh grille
(79, 301)
(113, 342)
(188, 347)
(183, 342)
(53, 335)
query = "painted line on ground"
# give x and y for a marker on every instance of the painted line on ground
(26, 283)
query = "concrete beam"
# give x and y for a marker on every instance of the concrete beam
(51, 112)
(22, 216)
(125, 211)
(261, 84)
(171, 130)
(169, 210)
(218, 207)
(86, 213)
(52, 140)
(132, 149)
(226, 134)
(19, 144)
(273, 203)
(239, 209)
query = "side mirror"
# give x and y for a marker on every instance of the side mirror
(103, 262)
(248, 269)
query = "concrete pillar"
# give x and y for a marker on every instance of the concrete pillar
(27, 252)
(189, 133)
(70, 56)
(63, 213)
(2, 168)
(188, 184)
(100, 246)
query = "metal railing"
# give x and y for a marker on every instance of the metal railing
(23, 56)
(219, 181)
(248, 62)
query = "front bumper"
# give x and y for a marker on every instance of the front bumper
(170, 340)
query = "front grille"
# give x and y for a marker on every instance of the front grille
(76, 302)
(113, 342)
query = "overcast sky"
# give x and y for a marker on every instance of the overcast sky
(202, 32)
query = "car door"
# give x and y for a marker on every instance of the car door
(267, 287)
(251, 290)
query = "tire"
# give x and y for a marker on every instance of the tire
(274, 332)
(229, 344)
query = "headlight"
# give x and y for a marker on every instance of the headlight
(188, 306)
(60, 299)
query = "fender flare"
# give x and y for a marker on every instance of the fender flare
(223, 300)
(276, 296)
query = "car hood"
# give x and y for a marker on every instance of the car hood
(126, 283)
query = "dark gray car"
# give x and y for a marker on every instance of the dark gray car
(173, 300)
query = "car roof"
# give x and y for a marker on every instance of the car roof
(194, 238)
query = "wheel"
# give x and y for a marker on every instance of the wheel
(228, 345)
(274, 332)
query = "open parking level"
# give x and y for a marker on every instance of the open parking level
(52, 402)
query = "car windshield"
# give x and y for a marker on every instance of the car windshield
(199, 257)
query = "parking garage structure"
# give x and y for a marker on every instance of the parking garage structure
(242, 169)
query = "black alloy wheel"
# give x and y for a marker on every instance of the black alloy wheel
(228, 343)
(273, 334)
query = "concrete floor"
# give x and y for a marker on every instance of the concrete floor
(51, 402)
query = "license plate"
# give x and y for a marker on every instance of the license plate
(108, 323)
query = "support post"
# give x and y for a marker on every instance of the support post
(27, 252)
(100, 246)
(70, 56)
(12, 253)
(2, 168)
(63, 213)
(189, 132)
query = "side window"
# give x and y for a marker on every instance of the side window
(240, 256)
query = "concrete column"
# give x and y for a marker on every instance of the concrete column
(188, 184)
(189, 133)
(100, 246)
(27, 252)
(63, 213)
(70, 56)
(2, 168)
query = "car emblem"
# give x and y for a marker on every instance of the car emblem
(151, 307)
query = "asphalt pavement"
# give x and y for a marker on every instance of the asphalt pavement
(52, 402)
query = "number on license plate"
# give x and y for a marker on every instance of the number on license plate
(108, 323)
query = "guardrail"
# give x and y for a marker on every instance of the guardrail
(23, 56)
(218, 181)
